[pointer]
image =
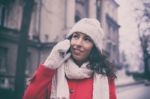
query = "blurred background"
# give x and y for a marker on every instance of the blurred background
(30, 28)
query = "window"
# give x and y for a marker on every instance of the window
(108, 49)
(98, 9)
(2, 15)
(77, 18)
(3, 57)
(28, 64)
(81, 8)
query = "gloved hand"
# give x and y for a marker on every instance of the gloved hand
(58, 55)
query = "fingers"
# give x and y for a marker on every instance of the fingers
(63, 46)
(64, 59)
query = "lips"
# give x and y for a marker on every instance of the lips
(77, 51)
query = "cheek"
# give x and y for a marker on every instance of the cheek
(88, 46)
(88, 49)
(72, 42)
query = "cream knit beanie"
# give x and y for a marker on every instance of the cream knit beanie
(90, 27)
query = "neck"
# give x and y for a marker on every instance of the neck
(79, 63)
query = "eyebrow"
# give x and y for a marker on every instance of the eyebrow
(85, 35)
(76, 33)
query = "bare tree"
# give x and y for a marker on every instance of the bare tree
(143, 25)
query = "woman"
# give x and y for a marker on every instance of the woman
(76, 67)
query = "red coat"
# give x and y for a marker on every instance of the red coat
(40, 86)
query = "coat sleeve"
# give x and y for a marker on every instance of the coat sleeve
(38, 86)
(112, 89)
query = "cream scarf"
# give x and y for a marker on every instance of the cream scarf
(60, 89)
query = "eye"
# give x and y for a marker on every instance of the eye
(87, 39)
(75, 36)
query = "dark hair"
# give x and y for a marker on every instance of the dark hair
(100, 64)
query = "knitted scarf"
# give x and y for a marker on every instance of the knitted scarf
(60, 88)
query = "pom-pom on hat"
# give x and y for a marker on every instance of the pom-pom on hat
(92, 28)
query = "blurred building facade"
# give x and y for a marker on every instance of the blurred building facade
(51, 20)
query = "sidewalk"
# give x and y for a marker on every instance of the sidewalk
(124, 80)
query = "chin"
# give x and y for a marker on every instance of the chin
(77, 58)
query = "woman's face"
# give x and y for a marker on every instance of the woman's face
(81, 46)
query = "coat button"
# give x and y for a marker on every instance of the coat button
(71, 91)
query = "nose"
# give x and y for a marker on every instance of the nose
(79, 42)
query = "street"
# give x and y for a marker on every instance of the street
(138, 91)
